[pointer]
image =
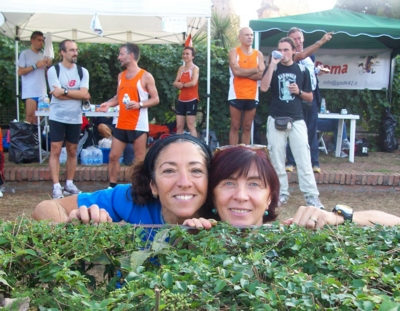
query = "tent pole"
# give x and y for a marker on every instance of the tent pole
(208, 77)
(16, 70)
(391, 77)
(256, 47)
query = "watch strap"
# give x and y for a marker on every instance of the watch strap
(345, 211)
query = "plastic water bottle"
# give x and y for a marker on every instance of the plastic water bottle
(97, 156)
(126, 99)
(40, 104)
(323, 106)
(276, 54)
(85, 154)
(46, 103)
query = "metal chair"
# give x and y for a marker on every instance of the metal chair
(321, 142)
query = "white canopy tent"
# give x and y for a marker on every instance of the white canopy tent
(138, 21)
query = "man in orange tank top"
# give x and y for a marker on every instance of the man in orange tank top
(246, 66)
(133, 122)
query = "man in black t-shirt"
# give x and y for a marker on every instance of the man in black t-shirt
(290, 84)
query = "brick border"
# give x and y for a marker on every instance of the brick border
(100, 173)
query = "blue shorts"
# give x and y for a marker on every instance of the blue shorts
(36, 99)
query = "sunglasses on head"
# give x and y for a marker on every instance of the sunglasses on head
(253, 147)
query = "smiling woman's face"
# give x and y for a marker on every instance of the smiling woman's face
(181, 180)
(242, 201)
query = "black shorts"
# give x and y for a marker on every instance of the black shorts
(243, 104)
(186, 108)
(127, 136)
(60, 131)
(111, 127)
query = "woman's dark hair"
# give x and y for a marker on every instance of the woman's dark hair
(142, 173)
(237, 161)
(191, 49)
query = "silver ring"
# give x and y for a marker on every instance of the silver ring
(314, 219)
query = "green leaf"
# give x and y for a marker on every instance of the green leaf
(138, 258)
(219, 285)
(159, 241)
(181, 286)
(2, 280)
(167, 277)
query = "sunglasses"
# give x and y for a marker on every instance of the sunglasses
(252, 147)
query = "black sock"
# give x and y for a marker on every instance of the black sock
(113, 184)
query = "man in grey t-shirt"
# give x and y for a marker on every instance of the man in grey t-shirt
(68, 90)
(31, 67)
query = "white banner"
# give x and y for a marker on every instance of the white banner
(352, 69)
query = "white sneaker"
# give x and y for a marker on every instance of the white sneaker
(343, 154)
(345, 144)
(58, 193)
(71, 189)
(314, 201)
(283, 199)
(1, 194)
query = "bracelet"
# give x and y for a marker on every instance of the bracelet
(317, 42)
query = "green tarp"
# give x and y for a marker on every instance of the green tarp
(352, 30)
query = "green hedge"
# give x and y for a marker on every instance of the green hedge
(273, 268)
(163, 62)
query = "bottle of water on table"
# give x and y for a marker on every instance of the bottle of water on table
(323, 106)
(40, 103)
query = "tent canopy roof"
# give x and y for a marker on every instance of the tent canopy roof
(138, 21)
(351, 30)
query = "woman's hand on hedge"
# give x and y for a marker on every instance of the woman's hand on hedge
(93, 214)
(313, 218)
(200, 223)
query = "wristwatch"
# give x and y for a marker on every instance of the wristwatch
(34, 66)
(65, 90)
(317, 42)
(345, 211)
(141, 104)
(300, 92)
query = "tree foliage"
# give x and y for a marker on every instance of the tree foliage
(224, 30)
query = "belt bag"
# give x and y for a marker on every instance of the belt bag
(283, 123)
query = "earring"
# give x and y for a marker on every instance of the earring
(214, 211)
(266, 213)
(155, 196)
